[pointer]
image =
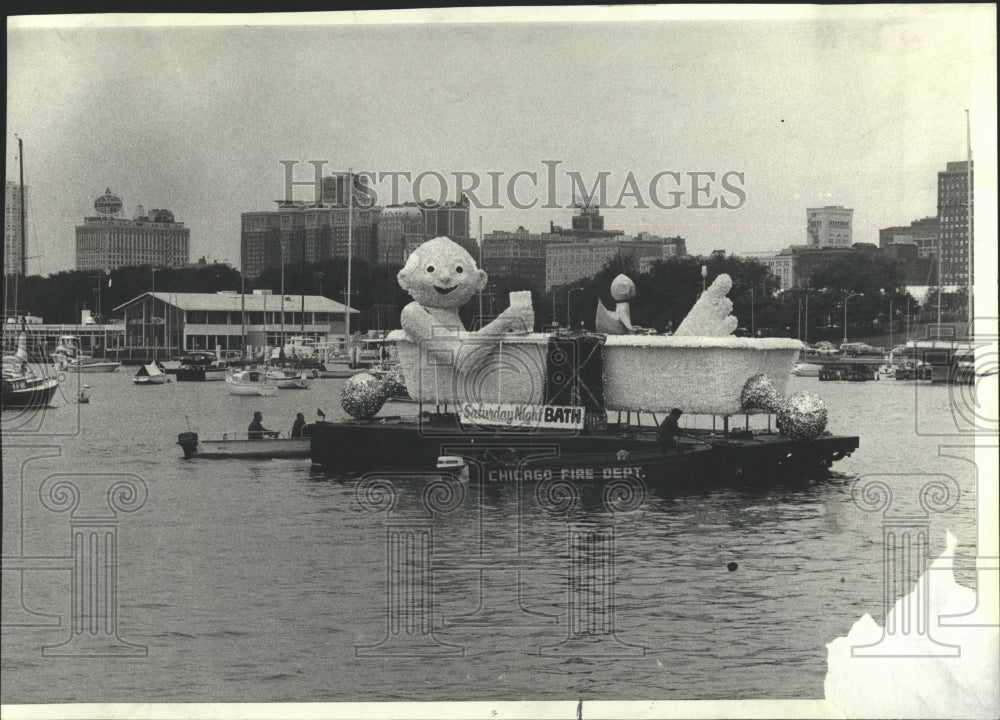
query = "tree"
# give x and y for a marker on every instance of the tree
(859, 271)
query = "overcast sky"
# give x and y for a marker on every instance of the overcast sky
(859, 107)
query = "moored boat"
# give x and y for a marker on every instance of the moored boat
(68, 357)
(22, 387)
(251, 381)
(200, 367)
(151, 374)
(805, 369)
(289, 379)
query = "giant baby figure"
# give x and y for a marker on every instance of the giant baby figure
(441, 276)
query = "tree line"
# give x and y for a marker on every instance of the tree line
(873, 285)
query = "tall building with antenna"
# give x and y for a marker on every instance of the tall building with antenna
(109, 241)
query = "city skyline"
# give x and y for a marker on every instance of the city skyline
(198, 119)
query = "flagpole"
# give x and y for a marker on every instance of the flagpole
(480, 265)
(350, 228)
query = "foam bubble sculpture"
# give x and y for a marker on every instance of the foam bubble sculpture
(759, 393)
(364, 394)
(802, 416)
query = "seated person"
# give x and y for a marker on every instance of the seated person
(668, 431)
(256, 431)
(299, 426)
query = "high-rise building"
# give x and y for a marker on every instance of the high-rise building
(13, 258)
(587, 222)
(310, 233)
(396, 226)
(923, 233)
(571, 260)
(109, 241)
(829, 226)
(448, 219)
(954, 198)
(518, 254)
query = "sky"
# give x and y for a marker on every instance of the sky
(804, 107)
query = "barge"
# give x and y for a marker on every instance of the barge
(415, 444)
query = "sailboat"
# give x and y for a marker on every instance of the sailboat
(69, 357)
(251, 381)
(152, 374)
(22, 387)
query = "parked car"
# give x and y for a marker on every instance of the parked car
(853, 349)
(825, 348)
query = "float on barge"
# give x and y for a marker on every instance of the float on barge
(524, 402)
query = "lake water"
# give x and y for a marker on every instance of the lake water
(267, 581)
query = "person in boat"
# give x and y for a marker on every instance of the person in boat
(667, 433)
(299, 428)
(256, 430)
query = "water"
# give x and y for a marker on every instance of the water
(260, 581)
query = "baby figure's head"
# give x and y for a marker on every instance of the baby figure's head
(441, 274)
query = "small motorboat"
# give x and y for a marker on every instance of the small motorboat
(201, 366)
(86, 364)
(152, 374)
(251, 381)
(337, 370)
(68, 357)
(236, 445)
(22, 387)
(806, 369)
(289, 379)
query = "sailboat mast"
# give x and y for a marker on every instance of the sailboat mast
(350, 228)
(243, 312)
(153, 301)
(23, 243)
(302, 310)
(24, 246)
(938, 332)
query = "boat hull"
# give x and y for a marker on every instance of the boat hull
(32, 395)
(97, 367)
(266, 449)
(397, 444)
(199, 375)
(807, 370)
(286, 382)
(252, 389)
(151, 380)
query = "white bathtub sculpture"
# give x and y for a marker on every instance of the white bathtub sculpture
(701, 370)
